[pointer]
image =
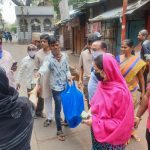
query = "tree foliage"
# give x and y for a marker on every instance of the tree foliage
(71, 2)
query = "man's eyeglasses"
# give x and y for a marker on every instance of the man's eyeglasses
(94, 49)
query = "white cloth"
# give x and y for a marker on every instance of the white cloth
(44, 81)
(26, 71)
(85, 62)
(6, 63)
(48, 107)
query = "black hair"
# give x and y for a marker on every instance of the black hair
(103, 45)
(90, 40)
(99, 61)
(129, 42)
(53, 40)
(45, 37)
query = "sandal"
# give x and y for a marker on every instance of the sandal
(60, 136)
(47, 122)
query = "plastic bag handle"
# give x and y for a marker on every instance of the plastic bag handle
(74, 85)
(67, 86)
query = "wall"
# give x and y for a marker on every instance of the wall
(27, 36)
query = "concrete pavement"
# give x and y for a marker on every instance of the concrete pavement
(76, 139)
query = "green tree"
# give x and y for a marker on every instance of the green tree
(55, 3)
(75, 3)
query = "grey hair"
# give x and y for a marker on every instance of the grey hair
(144, 32)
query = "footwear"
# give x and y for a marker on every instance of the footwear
(60, 136)
(47, 122)
(64, 123)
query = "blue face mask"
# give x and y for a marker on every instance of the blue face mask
(95, 54)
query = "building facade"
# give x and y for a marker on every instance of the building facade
(31, 19)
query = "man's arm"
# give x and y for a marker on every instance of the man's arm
(20, 73)
(37, 62)
(81, 71)
(45, 66)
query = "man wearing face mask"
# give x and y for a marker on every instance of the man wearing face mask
(26, 70)
(85, 64)
(8, 64)
(98, 47)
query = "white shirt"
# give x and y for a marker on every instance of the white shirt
(6, 63)
(26, 71)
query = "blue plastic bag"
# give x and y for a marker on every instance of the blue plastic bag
(73, 105)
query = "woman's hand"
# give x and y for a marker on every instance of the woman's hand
(136, 122)
(88, 121)
(142, 96)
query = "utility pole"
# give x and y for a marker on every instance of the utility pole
(123, 33)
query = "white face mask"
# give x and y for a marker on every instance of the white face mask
(32, 54)
(96, 54)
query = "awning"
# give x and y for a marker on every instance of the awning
(91, 3)
(117, 13)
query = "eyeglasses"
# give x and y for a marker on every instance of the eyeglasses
(94, 49)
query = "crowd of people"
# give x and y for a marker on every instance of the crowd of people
(110, 86)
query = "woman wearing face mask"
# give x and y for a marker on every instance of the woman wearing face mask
(112, 115)
(132, 71)
(26, 70)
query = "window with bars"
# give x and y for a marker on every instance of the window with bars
(35, 25)
(47, 25)
(109, 32)
(23, 25)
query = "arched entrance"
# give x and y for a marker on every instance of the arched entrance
(35, 25)
(47, 25)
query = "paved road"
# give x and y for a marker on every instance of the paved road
(77, 139)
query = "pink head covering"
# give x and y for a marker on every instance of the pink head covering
(112, 106)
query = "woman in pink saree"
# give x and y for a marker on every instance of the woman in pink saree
(112, 118)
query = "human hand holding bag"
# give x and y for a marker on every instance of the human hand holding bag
(73, 105)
